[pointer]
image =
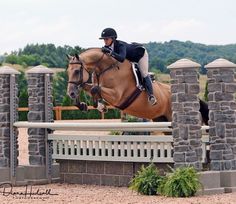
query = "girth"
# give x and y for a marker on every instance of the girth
(130, 99)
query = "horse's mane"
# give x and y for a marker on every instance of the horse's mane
(85, 53)
(91, 48)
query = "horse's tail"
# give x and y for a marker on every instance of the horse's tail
(204, 111)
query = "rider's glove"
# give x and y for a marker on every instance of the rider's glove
(107, 50)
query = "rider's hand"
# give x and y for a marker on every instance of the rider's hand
(107, 50)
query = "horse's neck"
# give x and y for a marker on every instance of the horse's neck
(118, 83)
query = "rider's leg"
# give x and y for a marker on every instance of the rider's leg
(143, 65)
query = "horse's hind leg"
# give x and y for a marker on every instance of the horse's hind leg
(204, 110)
(162, 119)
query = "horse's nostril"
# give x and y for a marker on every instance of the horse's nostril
(72, 95)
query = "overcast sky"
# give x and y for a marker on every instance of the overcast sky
(77, 22)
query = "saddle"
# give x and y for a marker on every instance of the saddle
(138, 77)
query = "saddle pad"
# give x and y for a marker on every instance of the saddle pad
(137, 76)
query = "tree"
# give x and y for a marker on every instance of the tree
(11, 59)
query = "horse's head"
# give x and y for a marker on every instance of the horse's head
(77, 76)
(82, 66)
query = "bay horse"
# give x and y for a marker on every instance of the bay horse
(115, 83)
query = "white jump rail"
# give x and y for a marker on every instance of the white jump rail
(75, 126)
(130, 148)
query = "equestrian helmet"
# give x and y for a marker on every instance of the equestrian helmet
(108, 33)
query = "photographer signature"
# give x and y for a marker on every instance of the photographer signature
(7, 189)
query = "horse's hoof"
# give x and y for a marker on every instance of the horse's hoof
(105, 109)
(102, 108)
(82, 106)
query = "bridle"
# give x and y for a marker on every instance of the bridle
(80, 82)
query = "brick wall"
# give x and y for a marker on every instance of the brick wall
(100, 172)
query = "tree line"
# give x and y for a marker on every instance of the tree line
(45, 54)
(160, 54)
(163, 54)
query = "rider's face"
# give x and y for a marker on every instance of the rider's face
(108, 41)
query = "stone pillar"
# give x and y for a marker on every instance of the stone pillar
(40, 110)
(8, 115)
(222, 121)
(186, 118)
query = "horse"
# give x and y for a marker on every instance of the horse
(115, 83)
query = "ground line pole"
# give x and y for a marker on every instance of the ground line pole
(13, 154)
(48, 152)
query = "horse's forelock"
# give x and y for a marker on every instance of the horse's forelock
(73, 59)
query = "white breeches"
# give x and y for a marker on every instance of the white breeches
(143, 64)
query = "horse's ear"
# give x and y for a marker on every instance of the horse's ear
(68, 56)
(77, 56)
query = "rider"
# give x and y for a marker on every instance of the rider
(134, 52)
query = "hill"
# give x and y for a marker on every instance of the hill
(160, 54)
(163, 54)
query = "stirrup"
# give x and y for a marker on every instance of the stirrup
(152, 100)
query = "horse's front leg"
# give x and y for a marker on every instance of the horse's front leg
(82, 105)
(98, 102)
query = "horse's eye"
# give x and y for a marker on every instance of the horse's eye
(77, 71)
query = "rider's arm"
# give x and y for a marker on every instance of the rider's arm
(120, 55)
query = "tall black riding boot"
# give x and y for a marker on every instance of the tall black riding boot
(148, 86)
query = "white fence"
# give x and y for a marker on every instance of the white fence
(130, 148)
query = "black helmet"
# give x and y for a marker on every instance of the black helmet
(108, 33)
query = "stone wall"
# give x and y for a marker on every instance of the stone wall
(8, 97)
(37, 88)
(100, 172)
(186, 118)
(222, 118)
(40, 102)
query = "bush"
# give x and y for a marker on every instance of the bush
(146, 181)
(114, 132)
(182, 182)
(130, 118)
(112, 113)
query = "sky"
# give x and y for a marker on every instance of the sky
(80, 23)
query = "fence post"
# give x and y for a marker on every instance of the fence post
(185, 113)
(8, 115)
(222, 120)
(40, 110)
